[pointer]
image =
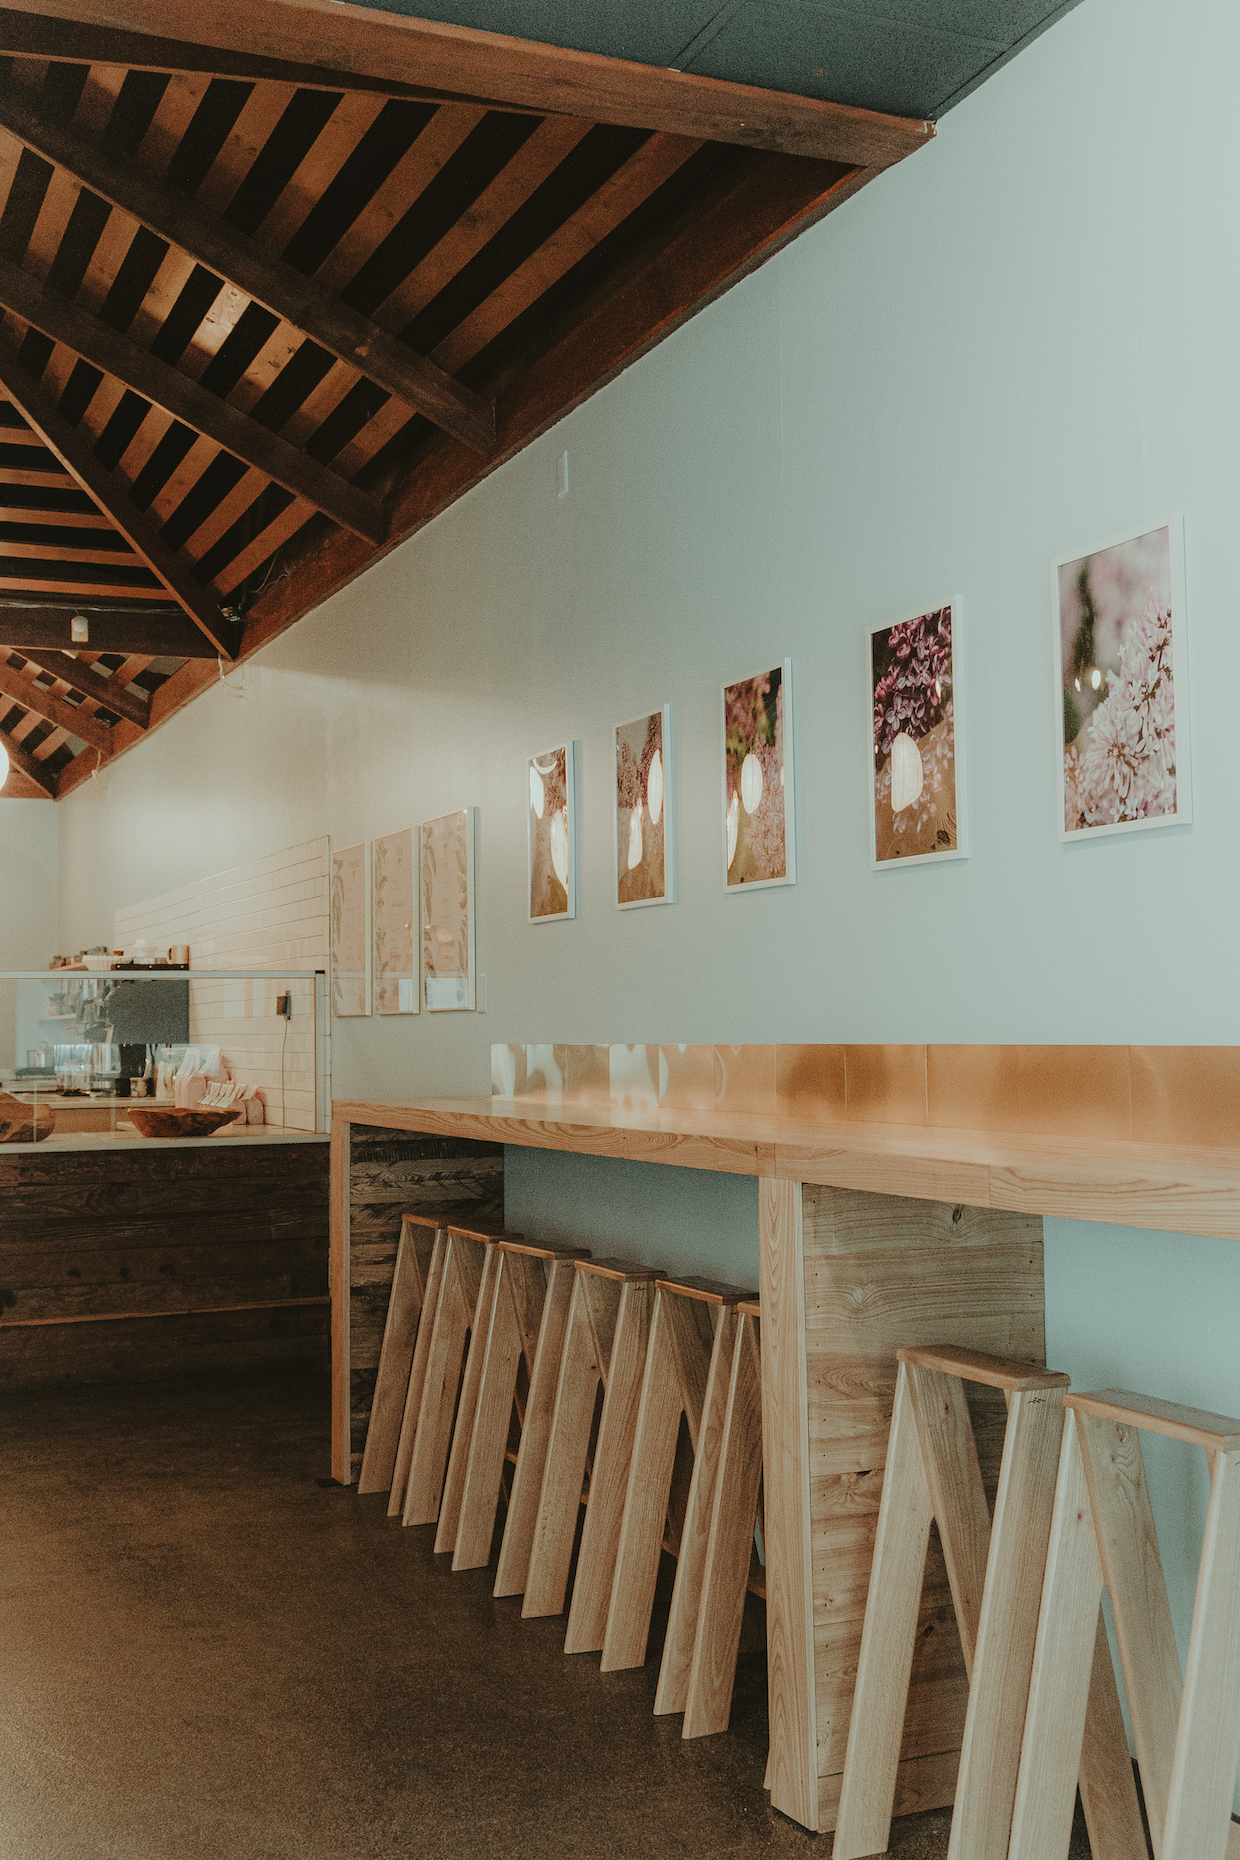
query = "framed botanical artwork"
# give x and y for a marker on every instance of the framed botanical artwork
(643, 811)
(917, 811)
(350, 905)
(1121, 684)
(447, 862)
(394, 920)
(550, 797)
(758, 818)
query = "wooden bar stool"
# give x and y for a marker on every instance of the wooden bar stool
(414, 1289)
(730, 1564)
(1187, 1729)
(605, 1341)
(466, 1259)
(693, 1327)
(531, 1285)
(996, 1575)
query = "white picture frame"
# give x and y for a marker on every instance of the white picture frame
(652, 799)
(935, 825)
(351, 930)
(743, 849)
(448, 960)
(551, 834)
(1125, 597)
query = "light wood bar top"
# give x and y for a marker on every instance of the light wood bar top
(1173, 1187)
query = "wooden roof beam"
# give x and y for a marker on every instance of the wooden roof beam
(236, 260)
(37, 630)
(74, 452)
(460, 62)
(195, 406)
(107, 692)
(22, 760)
(24, 691)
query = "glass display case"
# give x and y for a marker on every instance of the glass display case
(80, 1048)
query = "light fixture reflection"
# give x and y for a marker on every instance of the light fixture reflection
(559, 845)
(751, 783)
(4, 765)
(538, 792)
(654, 787)
(734, 818)
(635, 838)
(1095, 678)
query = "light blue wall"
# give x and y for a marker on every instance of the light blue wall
(1015, 345)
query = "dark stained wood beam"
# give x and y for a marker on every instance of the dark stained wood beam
(86, 728)
(74, 452)
(89, 683)
(21, 759)
(36, 630)
(195, 406)
(236, 260)
(462, 63)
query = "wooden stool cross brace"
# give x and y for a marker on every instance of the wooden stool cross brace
(415, 1289)
(995, 1573)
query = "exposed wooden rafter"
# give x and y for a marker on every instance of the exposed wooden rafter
(80, 723)
(38, 777)
(164, 386)
(107, 693)
(461, 62)
(33, 631)
(278, 287)
(77, 456)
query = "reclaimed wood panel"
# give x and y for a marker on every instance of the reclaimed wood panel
(144, 1349)
(390, 1173)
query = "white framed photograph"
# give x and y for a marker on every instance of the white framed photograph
(1121, 684)
(394, 917)
(446, 861)
(759, 837)
(350, 929)
(918, 809)
(643, 812)
(551, 804)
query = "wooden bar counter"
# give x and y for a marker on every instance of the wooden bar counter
(871, 1235)
(123, 1258)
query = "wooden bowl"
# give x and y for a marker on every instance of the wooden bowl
(24, 1123)
(165, 1120)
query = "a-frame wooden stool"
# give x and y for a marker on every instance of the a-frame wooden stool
(692, 1334)
(608, 1330)
(415, 1288)
(466, 1263)
(522, 1312)
(995, 1573)
(1187, 1729)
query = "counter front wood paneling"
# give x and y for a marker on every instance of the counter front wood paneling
(100, 1248)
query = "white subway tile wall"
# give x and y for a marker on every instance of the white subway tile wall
(271, 914)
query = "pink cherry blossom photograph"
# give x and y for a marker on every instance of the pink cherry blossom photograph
(1121, 684)
(758, 821)
(918, 811)
(643, 812)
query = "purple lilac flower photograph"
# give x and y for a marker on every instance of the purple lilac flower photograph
(1119, 634)
(757, 797)
(915, 742)
(551, 849)
(641, 811)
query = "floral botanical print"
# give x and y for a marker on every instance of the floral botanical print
(914, 729)
(756, 816)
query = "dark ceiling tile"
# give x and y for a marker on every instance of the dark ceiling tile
(997, 23)
(813, 50)
(650, 31)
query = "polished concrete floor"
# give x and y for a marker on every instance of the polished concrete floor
(207, 1654)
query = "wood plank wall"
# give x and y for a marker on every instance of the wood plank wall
(391, 1172)
(136, 1263)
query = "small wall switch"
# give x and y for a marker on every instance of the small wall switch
(284, 1006)
(561, 475)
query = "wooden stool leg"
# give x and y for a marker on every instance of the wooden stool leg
(569, 1442)
(471, 1382)
(949, 1455)
(645, 1504)
(863, 1824)
(518, 1541)
(395, 1360)
(1133, 1573)
(484, 1472)
(609, 1480)
(672, 1692)
(1073, 1721)
(417, 1376)
(1007, 1630)
(443, 1371)
(1208, 1745)
(735, 1512)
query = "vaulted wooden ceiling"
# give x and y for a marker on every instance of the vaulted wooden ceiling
(264, 319)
